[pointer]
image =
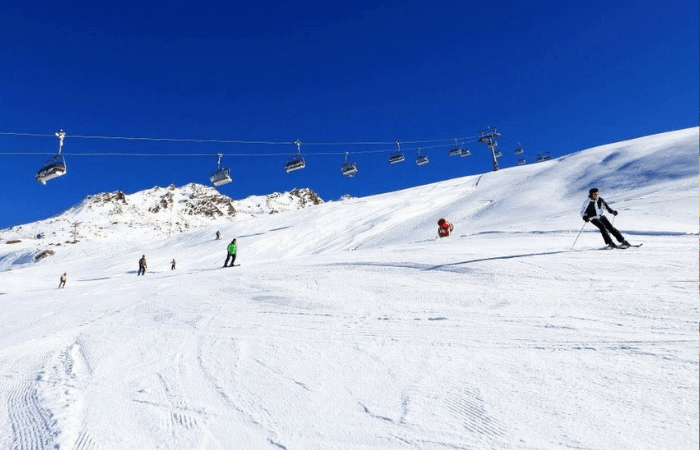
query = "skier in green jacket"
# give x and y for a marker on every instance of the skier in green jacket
(232, 249)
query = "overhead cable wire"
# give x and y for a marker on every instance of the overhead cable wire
(208, 155)
(124, 154)
(127, 138)
(26, 134)
(230, 141)
(513, 140)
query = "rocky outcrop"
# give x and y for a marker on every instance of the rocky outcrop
(307, 196)
(109, 197)
(44, 254)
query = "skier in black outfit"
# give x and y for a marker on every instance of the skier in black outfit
(593, 210)
(142, 266)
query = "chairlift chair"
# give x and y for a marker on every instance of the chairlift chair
(297, 162)
(465, 152)
(222, 175)
(398, 156)
(543, 156)
(421, 159)
(56, 166)
(349, 169)
(519, 150)
(521, 161)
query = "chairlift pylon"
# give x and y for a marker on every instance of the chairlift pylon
(221, 176)
(397, 157)
(349, 169)
(56, 166)
(297, 162)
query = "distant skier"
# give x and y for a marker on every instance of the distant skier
(218, 235)
(62, 284)
(142, 265)
(445, 228)
(172, 264)
(593, 210)
(232, 248)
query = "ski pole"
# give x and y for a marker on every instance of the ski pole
(579, 234)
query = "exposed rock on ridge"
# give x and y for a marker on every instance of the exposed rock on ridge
(159, 211)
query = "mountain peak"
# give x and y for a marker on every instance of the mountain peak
(161, 211)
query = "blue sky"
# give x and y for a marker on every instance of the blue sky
(556, 76)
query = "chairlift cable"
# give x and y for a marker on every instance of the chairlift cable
(518, 142)
(207, 155)
(225, 141)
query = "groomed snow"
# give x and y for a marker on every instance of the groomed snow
(349, 325)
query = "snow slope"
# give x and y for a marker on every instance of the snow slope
(349, 325)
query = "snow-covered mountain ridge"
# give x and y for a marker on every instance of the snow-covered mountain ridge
(156, 212)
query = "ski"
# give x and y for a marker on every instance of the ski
(622, 247)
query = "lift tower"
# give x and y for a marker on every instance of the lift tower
(488, 137)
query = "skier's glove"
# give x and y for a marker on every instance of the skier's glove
(585, 218)
(614, 213)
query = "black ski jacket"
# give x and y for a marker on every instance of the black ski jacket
(594, 209)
